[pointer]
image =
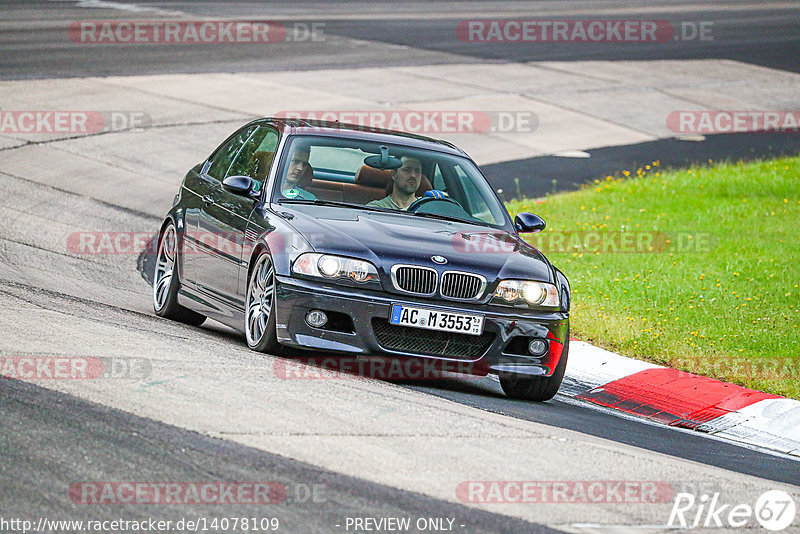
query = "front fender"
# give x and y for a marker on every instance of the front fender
(564, 291)
(270, 231)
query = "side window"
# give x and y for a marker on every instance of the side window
(265, 154)
(256, 156)
(222, 158)
(476, 205)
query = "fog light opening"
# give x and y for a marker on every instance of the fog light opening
(316, 318)
(537, 347)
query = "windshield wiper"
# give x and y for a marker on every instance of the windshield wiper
(320, 202)
(449, 218)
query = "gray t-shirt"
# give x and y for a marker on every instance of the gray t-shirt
(386, 202)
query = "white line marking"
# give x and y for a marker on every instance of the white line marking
(132, 8)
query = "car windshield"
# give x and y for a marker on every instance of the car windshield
(355, 173)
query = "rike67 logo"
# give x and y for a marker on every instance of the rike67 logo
(774, 510)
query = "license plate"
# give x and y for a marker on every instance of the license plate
(436, 320)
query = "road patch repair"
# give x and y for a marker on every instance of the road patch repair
(679, 399)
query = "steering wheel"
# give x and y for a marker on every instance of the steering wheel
(422, 201)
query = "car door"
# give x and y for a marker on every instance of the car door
(223, 220)
(199, 187)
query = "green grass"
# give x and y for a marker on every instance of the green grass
(714, 293)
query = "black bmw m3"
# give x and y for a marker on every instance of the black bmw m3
(355, 241)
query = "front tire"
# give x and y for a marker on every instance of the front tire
(259, 318)
(166, 281)
(535, 388)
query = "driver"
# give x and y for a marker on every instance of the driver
(407, 179)
(298, 164)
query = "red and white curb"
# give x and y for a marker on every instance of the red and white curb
(676, 398)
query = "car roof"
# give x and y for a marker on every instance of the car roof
(354, 131)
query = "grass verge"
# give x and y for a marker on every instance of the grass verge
(696, 269)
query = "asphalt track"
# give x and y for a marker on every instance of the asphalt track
(369, 34)
(542, 175)
(211, 410)
(88, 439)
(380, 33)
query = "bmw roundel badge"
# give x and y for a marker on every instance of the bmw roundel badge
(441, 260)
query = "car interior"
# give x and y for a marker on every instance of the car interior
(355, 173)
(370, 184)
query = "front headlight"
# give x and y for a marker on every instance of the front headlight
(532, 293)
(334, 267)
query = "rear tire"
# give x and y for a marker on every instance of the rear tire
(535, 388)
(166, 281)
(259, 317)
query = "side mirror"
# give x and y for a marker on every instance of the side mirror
(528, 222)
(239, 185)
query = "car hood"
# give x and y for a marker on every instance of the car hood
(387, 238)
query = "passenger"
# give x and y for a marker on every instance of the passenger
(406, 180)
(298, 165)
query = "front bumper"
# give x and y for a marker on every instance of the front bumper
(499, 350)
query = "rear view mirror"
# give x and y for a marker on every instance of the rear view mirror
(384, 161)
